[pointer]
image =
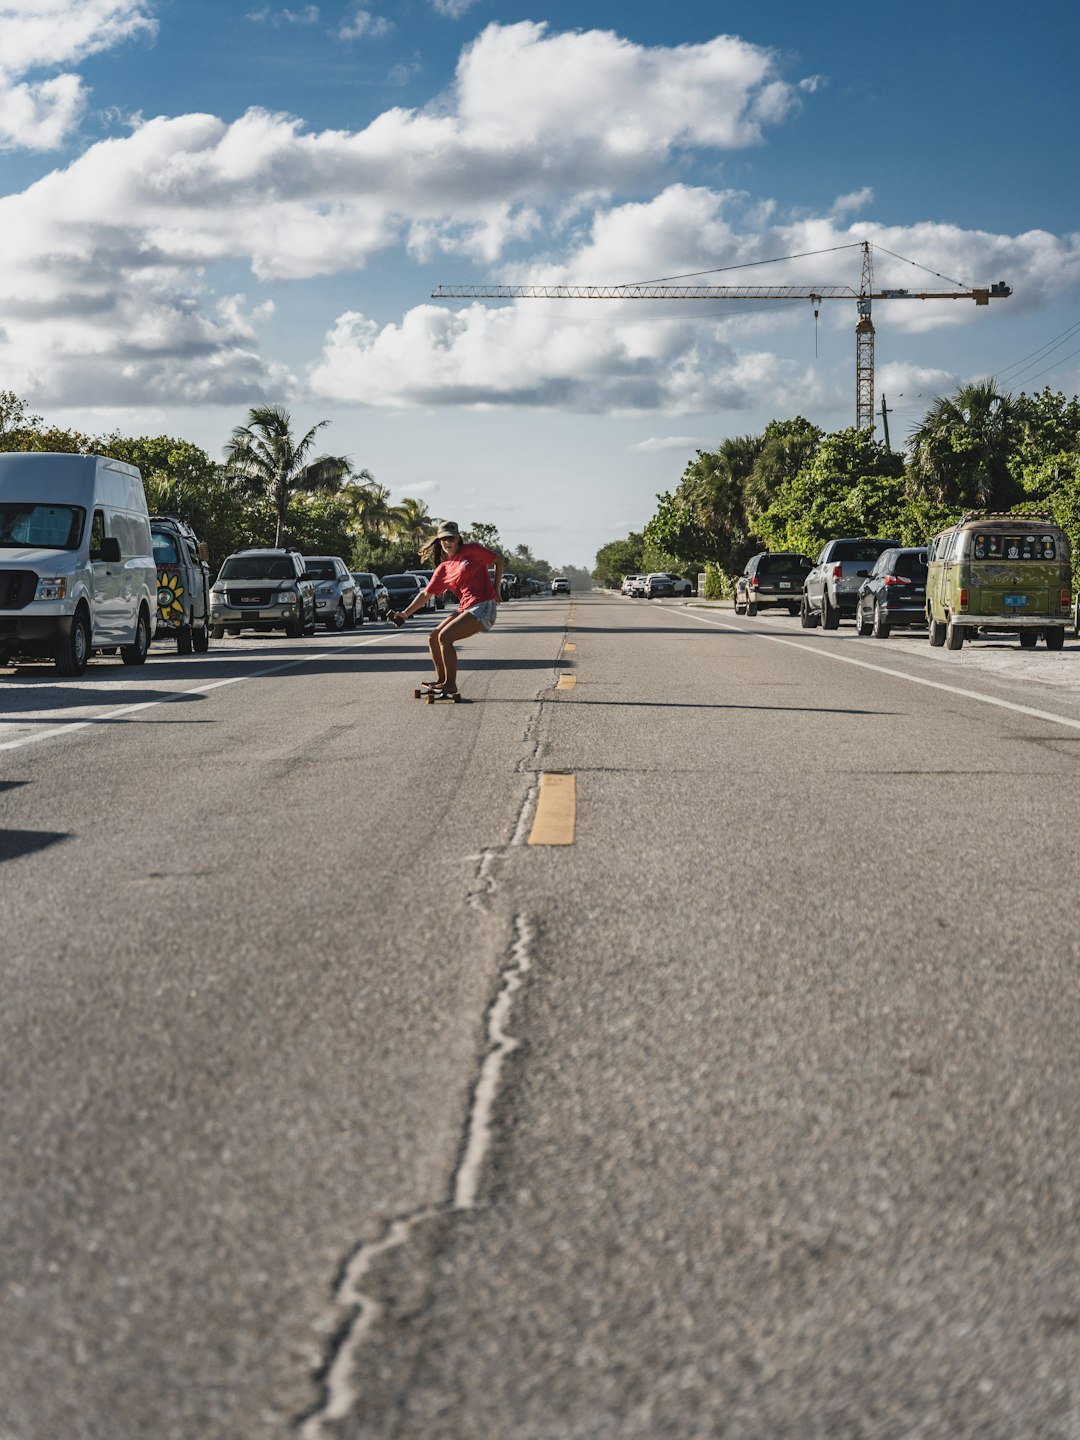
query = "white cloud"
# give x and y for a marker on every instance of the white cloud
(660, 444)
(43, 35)
(307, 15)
(854, 201)
(362, 24)
(453, 9)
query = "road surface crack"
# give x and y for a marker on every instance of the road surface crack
(357, 1308)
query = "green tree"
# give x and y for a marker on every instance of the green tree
(962, 448)
(618, 558)
(851, 485)
(266, 460)
(14, 414)
(481, 534)
(413, 522)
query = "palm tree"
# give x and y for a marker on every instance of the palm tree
(960, 450)
(370, 505)
(413, 522)
(263, 456)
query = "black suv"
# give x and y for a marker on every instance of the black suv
(262, 590)
(775, 579)
(895, 593)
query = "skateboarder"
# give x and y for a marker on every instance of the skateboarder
(463, 571)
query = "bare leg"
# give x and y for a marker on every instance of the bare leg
(435, 647)
(450, 631)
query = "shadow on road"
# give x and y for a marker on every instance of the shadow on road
(14, 843)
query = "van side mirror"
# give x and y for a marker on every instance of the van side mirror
(109, 551)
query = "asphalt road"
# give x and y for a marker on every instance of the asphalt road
(334, 1108)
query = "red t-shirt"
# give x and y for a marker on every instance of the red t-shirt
(465, 576)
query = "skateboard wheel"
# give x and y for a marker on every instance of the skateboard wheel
(416, 694)
(430, 699)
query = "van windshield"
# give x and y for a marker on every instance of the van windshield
(53, 527)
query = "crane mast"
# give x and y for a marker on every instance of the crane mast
(864, 297)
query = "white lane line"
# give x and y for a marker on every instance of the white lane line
(976, 695)
(109, 716)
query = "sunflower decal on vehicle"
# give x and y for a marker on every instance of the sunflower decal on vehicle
(168, 596)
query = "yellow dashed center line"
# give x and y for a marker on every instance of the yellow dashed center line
(566, 682)
(556, 811)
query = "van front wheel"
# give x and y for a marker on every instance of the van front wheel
(73, 649)
(937, 632)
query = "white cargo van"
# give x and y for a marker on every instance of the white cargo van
(76, 560)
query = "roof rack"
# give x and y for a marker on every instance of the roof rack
(1013, 516)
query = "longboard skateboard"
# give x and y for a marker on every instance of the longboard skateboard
(432, 695)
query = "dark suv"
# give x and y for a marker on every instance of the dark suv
(775, 579)
(262, 590)
(895, 593)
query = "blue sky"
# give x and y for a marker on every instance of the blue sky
(205, 207)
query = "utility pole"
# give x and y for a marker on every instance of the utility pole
(885, 413)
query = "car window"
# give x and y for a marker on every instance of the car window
(165, 551)
(779, 564)
(254, 567)
(884, 562)
(996, 545)
(859, 549)
(911, 563)
(319, 570)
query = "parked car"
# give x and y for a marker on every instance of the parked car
(560, 585)
(831, 587)
(337, 601)
(424, 576)
(262, 589)
(1001, 572)
(771, 580)
(895, 593)
(375, 601)
(634, 586)
(76, 559)
(400, 589)
(683, 585)
(183, 584)
(658, 586)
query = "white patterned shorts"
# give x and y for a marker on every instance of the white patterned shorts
(486, 612)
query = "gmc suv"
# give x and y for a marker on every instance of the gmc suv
(262, 590)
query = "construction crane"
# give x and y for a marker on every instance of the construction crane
(864, 298)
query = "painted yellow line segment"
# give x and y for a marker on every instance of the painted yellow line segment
(569, 645)
(556, 811)
(566, 682)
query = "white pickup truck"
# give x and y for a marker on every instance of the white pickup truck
(831, 588)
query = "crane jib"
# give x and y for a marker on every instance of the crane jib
(981, 295)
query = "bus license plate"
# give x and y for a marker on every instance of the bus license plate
(1016, 601)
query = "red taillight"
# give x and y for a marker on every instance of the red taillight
(1066, 600)
(963, 599)
(838, 572)
(754, 582)
(896, 580)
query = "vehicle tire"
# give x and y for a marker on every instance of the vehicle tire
(807, 619)
(1028, 639)
(954, 636)
(135, 653)
(751, 608)
(879, 629)
(830, 617)
(217, 632)
(735, 603)
(793, 609)
(297, 629)
(1055, 637)
(1076, 619)
(73, 650)
(200, 637)
(184, 642)
(337, 621)
(936, 632)
(861, 627)
(353, 617)
(309, 629)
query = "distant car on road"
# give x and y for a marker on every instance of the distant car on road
(774, 579)
(373, 594)
(895, 593)
(560, 585)
(634, 586)
(424, 576)
(400, 589)
(682, 585)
